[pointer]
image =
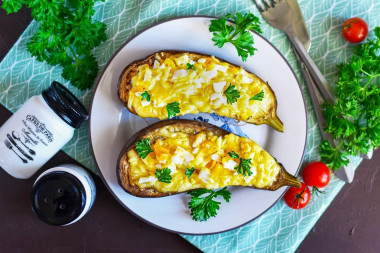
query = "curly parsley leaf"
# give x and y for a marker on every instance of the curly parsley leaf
(333, 156)
(353, 118)
(259, 96)
(233, 154)
(191, 66)
(173, 109)
(189, 172)
(204, 207)
(163, 175)
(146, 96)
(81, 72)
(12, 6)
(238, 35)
(244, 166)
(232, 94)
(66, 36)
(143, 148)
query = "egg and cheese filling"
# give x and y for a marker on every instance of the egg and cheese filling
(199, 84)
(209, 158)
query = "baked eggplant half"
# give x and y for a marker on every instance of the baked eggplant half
(175, 156)
(173, 83)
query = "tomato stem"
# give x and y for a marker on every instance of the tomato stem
(298, 196)
(349, 24)
(317, 191)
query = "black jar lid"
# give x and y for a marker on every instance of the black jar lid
(65, 104)
(58, 198)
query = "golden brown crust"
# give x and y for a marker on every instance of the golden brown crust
(283, 178)
(125, 84)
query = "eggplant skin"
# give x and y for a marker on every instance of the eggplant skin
(250, 111)
(123, 173)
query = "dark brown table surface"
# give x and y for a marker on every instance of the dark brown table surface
(350, 224)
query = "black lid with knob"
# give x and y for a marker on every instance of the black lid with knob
(58, 198)
(65, 104)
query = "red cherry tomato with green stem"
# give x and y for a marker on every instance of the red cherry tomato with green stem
(355, 30)
(297, 198)
(316, 174)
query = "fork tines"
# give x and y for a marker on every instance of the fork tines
(8, 144)
(264, 5)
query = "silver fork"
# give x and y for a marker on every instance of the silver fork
(346, 173)
(278, 13)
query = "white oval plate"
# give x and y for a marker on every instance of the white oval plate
(111, 125)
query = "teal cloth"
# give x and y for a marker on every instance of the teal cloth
(281, 229)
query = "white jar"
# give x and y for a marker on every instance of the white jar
(63, 195)
(38, 130)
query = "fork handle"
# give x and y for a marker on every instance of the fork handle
(345, 173)
(316, 101)
(318, 77)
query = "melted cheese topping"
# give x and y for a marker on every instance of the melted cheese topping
(201, 90)
(178, 149)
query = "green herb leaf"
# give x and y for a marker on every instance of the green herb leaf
(239, 36)
(191, 66)
(232, 94)
(244, 167)
(203, 208)
(163, 175)
(233, 154)
(82, 73)
(353, 118)
(66, 36)
(259, 96)
(173, 109)
(143, 148)
(189, 172)
(333, 157)
(146, 96)
(12, 6)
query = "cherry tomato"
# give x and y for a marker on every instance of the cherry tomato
(355, 30)
(316, 174)
(297, 198)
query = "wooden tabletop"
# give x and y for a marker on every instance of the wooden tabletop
(350, 224)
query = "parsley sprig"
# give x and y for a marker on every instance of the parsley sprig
(191, 66)
(244, 167)
(259, 96)
(238, 35)
(143, 148)
(173, 109)
(353, 119)
(66, 36)
(233, 154)
(203, 208)
(146, 96)
(189, 172)
(232, 94)
(163, 175)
